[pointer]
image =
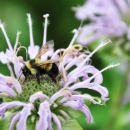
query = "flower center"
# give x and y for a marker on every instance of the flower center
(30, 87)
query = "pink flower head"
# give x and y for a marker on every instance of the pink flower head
(48, 102)
(108, 18)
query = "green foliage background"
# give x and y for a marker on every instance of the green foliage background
(113, 116)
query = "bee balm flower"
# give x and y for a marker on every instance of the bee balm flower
(50, 104)
(108, 18)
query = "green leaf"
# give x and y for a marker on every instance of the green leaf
(4, 123)
(71, 125)
(87, 102)
(74, 113)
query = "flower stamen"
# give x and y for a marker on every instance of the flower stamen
(45, 28)
(30, 30)
(6, 37)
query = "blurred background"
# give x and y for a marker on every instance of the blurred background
(115, 115)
